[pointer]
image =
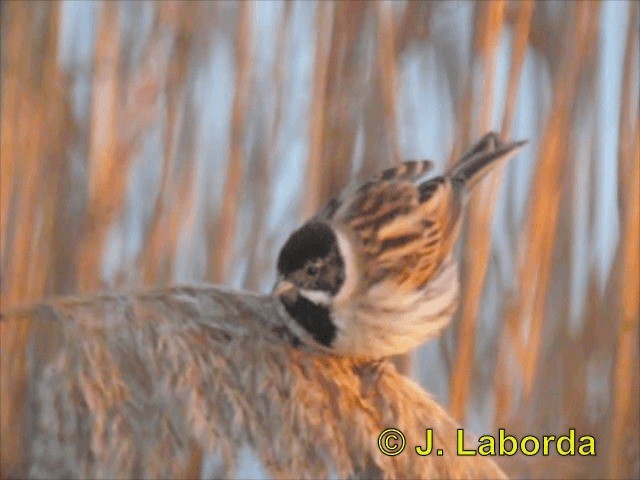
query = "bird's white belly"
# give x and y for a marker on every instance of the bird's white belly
(387, 321)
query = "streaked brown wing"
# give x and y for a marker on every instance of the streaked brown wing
(408, 171)
(401, 229)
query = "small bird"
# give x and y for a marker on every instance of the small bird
(373, 273)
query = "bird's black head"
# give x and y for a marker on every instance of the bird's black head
(311, 272)
(311, 260)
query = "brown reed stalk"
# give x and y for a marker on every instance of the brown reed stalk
(182, 216)
(26, 235)
(380, 111)
(13, 209)
(520, 43)
(521, 35)
(521, 30)
(221, 253)
(12, 52)
(489, 20)
(572, 379)
(57, 242)
(257, 264)
(314, 167)
(51, 149)
(474, 109)
(588, 342)
(624, 437)
(624, 395)
(149, 259)
(464, 116)
(107, 163)
(514, 356)
(152, 260)
(24, 266)
(414, 25)
(545, 200)
(26, 176)
(346, 89)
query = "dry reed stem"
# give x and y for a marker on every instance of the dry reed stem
(151, 258)
(381, 147)
(521, 30)
(625, 397)
(12, 338)
(629, 97)
(553, 295)
(180, 202)
(221, 254)
(346, 93)
(253, 243)
(257, 264)
(312, 185)
(108, 166)
(520, 43)
(414, 25)
(25, 266)
(471, 111)
(558, 301)
(11, 83)
(546, 191)
(477, 246)
(57, 241)
(464, 115)
(145, 385)
(546, 33)
(184, 214)
(507, 374)
(542, 200)
(50, 144)
(573, 379)
(625, 369)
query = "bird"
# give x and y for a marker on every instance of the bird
(373, 273)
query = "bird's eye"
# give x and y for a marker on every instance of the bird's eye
(312, 270)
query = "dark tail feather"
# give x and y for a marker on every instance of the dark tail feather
(485, 155)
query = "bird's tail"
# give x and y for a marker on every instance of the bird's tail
(481, 159)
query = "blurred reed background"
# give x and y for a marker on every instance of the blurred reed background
(154, 143)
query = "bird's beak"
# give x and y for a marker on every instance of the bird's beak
(282, 288)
